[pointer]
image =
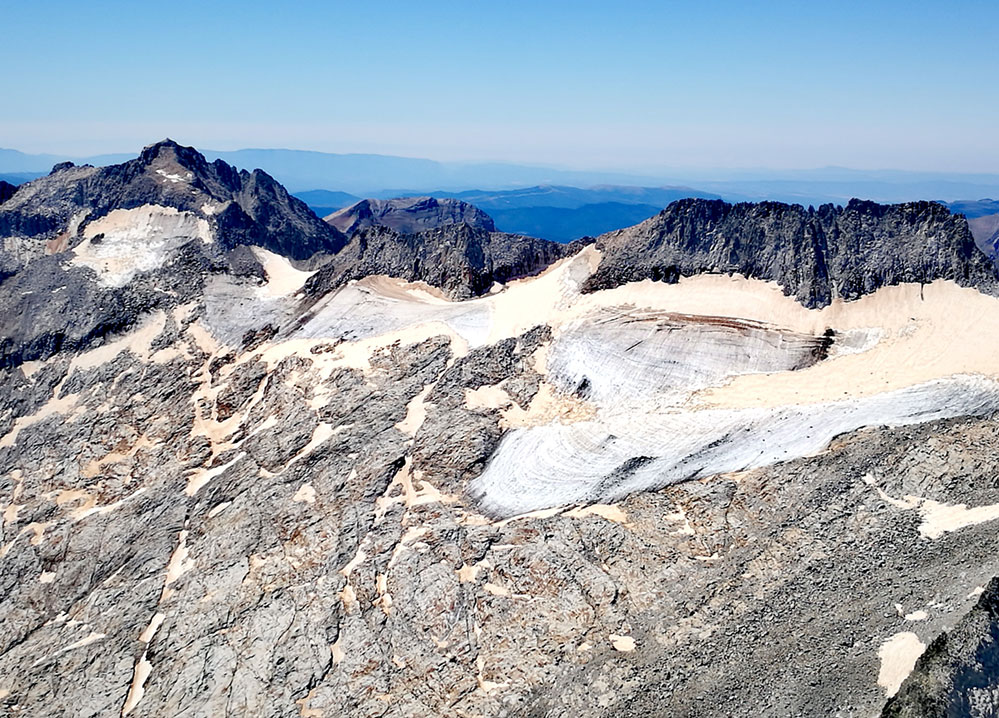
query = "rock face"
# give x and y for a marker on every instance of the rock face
(816, 255)
(233, 483)
(461, 259)
(409, 215)
(958, 675)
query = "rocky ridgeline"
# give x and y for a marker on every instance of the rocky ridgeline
(57, 305)
(815, 255)
(958, 675)
(409, 215)
(447, 243)
(462, 260)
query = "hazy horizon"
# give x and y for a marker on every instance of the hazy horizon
(640, 87)
(651, 172)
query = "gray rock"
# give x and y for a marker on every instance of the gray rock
(409, 215)
(462, 260)
(816, 255)
(254, 208)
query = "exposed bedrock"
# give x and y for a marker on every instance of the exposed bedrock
(243, 207)
(7, 191)
(815, 255)
(462, 260)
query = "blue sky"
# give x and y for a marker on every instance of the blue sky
(626, 85)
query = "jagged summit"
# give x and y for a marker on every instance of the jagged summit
(60, 166)
(816, 255)
(409, 214)
(245, 208)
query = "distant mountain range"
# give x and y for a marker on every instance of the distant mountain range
(974, 208)
(558, 213)
(409, 215)
(555, 196)
(565, 225)
(360, 174)
(385, 176)
(324, 201)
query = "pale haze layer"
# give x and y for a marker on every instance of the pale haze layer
(633, 86)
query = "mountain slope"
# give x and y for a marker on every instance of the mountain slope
(986, 233)
(236, 484)
(245, 207)
(461, 259)
(958, 674)
(983, 219)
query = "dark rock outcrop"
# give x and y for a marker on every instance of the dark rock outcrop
(958, 675)
(52, 305)
(462, 260)
(816, 255)
(409, 215)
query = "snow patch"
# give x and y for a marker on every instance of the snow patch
(175, 177)
(898, 655)
(127, 242)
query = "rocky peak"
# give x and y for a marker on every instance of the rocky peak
(60, 166)
(169, 148)
(409, 214)
(245, 208)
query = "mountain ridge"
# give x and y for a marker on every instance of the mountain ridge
(815, 255)
(169, 174)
